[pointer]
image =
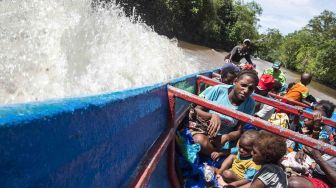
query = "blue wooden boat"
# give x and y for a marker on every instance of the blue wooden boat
(119, 139)
(95, 141)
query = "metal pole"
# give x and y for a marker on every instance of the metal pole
(171, 149)
(272, 102)
(304, 139)
(214, 74)
(151, 160)
(289, 101)
(152, 157)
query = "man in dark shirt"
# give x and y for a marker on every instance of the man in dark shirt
(239, 52)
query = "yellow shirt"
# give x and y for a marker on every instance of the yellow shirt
(244, 168)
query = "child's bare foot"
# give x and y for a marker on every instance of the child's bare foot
(215, 155)
(220, 181)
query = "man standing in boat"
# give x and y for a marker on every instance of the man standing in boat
(239, 52)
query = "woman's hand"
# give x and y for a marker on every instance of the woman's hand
(300, 109)
(300, 156)
(214, 126)
(313, 153)
(216, 155)
(229, 186)
(317, 116)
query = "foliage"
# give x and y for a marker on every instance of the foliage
(225, 23)
(214, 23)
(246, 21)
(266, 43)
(311, 49)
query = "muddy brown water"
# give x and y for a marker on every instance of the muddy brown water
(210, 58)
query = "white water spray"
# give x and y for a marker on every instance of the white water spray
(53, 49)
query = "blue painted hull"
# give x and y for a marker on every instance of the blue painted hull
(95, 141)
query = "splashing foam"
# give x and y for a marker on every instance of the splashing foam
(53, 49)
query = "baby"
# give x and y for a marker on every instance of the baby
(242, 166)
(293, 167)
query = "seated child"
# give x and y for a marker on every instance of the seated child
(268, 149)
(300, 91)
(310, 127)
(242, 167)
(266, 111)
(328, 107)
(228, 73)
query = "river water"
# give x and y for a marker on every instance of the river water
(209, 59)
(55, 49)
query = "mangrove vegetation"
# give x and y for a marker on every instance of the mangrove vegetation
(225, 23)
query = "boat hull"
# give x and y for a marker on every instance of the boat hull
(95, 141)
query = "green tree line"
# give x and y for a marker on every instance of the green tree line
(214, 23)
(225, 23)
(311, 49)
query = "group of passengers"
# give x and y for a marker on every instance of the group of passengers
(257, 158)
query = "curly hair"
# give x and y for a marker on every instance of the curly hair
(271, 146)
(251, 73)
(327, 106)
(250, 134)
(229, 68)
(277, 86)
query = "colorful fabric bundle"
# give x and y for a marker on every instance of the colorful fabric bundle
(280, 119)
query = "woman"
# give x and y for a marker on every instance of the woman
(222, 128)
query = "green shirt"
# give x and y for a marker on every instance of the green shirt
(279, 76)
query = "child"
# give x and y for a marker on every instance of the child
(300, 91)
(310, 128)
(265, 84)
(267, 111)
(228, 73)
(328, 107)
(267, 151)
(242, 167)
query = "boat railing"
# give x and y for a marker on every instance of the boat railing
(257, 122)
(151, 159)
(216, 75)
(277, 104)
(166, 141)
(289, 101)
